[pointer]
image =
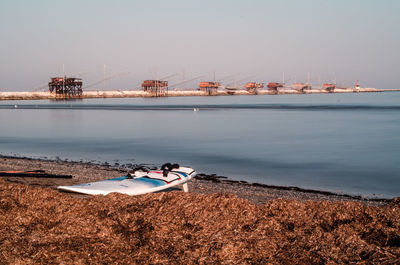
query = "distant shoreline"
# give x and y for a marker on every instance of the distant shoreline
(181, 93)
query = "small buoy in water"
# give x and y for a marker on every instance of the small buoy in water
(15, 106)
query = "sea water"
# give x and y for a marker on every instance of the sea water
(345, 143)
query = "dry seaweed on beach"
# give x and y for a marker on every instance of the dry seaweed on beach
(40, 225)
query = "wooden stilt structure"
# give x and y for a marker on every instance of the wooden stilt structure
(210, 87)
(157, 88)
(66, 87)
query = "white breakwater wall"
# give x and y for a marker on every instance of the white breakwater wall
(178, 93)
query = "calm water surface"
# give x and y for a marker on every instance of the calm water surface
(347, 143)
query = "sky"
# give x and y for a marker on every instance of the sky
(254, 40)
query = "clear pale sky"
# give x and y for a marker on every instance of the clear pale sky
(342, 39)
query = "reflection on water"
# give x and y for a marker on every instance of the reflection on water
(342, 142)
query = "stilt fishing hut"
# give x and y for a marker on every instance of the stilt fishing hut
(301, 87)
(329, 87)
(253, 87)
(157, 88)
(274, 86)
(210, 87)
(66, 87)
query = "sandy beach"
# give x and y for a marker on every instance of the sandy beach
(217, 222)
(202, 184)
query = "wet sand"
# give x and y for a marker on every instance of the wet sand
(217, 222)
